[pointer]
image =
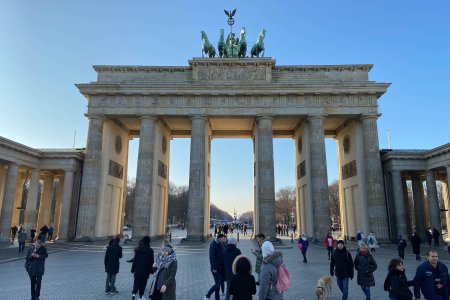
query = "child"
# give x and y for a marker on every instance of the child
(242, 282)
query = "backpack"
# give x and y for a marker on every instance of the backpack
(283, 281)
(370, 241)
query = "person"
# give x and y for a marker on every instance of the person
(272, 260)
(341, 265)
(303, 244)
(22, 237)
(415, 241)
(436, 236)
(35, 266)
(329, 243)
(112, 263)
(360, 238)
(260, 238)
(142, 267)
(217, 265)
(372, 242)
(396, 282)
(365, 264)
(32, 232)
(14, 230)
(245, 229)
(429, 236)
(401, 245)
(294, 228)
(432, 278)
(43, 233)
(50, 232)
(165, 284)
(230, 253)
(242, 282)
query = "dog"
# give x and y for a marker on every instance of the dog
(323, 288)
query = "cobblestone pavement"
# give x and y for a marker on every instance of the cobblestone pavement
(75, 271)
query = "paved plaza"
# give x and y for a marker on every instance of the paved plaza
(76, 271)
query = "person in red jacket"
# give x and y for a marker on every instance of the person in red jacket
(329, 243)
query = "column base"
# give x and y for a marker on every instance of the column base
(195, 239)
(85, 239)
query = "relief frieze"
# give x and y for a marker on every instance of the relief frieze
(234, 74)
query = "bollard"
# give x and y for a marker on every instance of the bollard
(170, 237)
(238, 236)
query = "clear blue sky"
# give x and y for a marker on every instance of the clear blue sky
(48, 46)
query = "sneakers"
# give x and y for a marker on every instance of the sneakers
(133, 297)
(205, 298)
(114, 292)
(107, 293)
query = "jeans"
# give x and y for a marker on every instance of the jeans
(366, 290)
(139, 285)
(110, 282)
(304, 256)
(343, 286)
(216, 287)
(401, 253)
(21, 247)
(418, 257)
(35, 286)
(227, 293)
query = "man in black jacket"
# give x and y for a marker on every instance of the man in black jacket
(35, 266)
(112, 256)
(217, 265)
(341, 265)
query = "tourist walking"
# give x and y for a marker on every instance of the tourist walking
(436, 236)
(51, 229)
(43, 233)
(272, 260)
(432, 278)
(401, 245)
(365, 264)
(32, 232)
(341, 265)
(230, 253)
(22, 237)
(217, 265)
(112, 263)
(165, 284)
(142, 267)
(329, 243)
(415, 241)
(429, 236)
(260, 239)
(35, 266)
(372, 242)
(242, 282)
(360, 238)
(396, 282)
(13, 232)
(303, 244)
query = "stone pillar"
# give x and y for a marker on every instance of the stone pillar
(31, 215)
(18, 199)
(319, 179)
(378, 220)
(409, 217)
(400, 217)
(57, 210)
(45, 205)
(197, 180)
(144, 178)
(433, 204)
(67, 190)
(87, 210)
(8, 201)
(265, 188)
(446, 198)
(419, 217)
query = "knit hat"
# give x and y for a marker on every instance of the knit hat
(267, 249)
(341, 242)
(168, 249)
(232, 241)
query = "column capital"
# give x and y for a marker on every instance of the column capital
(316, 116)
(370, 116)
(95, 116)
(150, 117)
(196, 117)
(264, 117)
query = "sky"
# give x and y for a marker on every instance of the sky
(48, 46)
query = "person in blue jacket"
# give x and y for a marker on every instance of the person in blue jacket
(303, 244)
(432, 278)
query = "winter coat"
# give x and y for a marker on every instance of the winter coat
(242, 282)
(269, 276)
(22, 236)
(401, 244)
(372, 241)
(259, 257)
(216, 257)
(305, 244)
(327, 244)
(365, 264)
(424, 281)
(112, 256)
(397, 284)
(166, 276)
(231, 252)
(415, 241)
(143, 261)
(35, 266)
(341, 264)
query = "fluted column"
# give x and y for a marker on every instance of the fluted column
(87, 211)
(45, 203)
(265, 188)
(63, 230)
(378, 221)
(57, 209)
(319, 179)
(446, 198)
(144, 177)
(409, 217)
(419, 217)
(433, 204)
(8, 200)
(399, 203)
(31, 215)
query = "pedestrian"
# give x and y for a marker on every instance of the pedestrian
(165, 285)
(272, 260)
(396, 282)
(303, 244)
(230, 253)
(329, 243)
(432, 278)
(401, 245)
(50, 232)
(360, 238)
(43, 233)
(372, 242)
(35, 266)
(365, 264)
(242, 282)
(341, 265)
(112, 263)
(436, 235)
(142, 267)
(22, 237)
(260, 239)
(32, 233)
(294, 227)
(13, 231)
(217, 265)
(429, 236)
(245, 229)
(415, 241)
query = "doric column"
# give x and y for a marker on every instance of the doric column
(433, 205)
(18, 199)
(265, 188)
(399, 203)
(33, 193)
(144, 177)
(446, 198)
(87, 211)
(8, 200)
(378, 221)
(45, 203)
(57, 209)
(419, 217)
(409, 217)
(319, 179)
(63, 230)
(197, 180)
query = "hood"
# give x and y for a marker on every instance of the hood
(241, 265)
(276, 259)
(230, 248)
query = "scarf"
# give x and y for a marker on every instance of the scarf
(165, 261)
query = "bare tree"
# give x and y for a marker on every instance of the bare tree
(247, 216)
(129, 201)
(333, 198)
(285, 204)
